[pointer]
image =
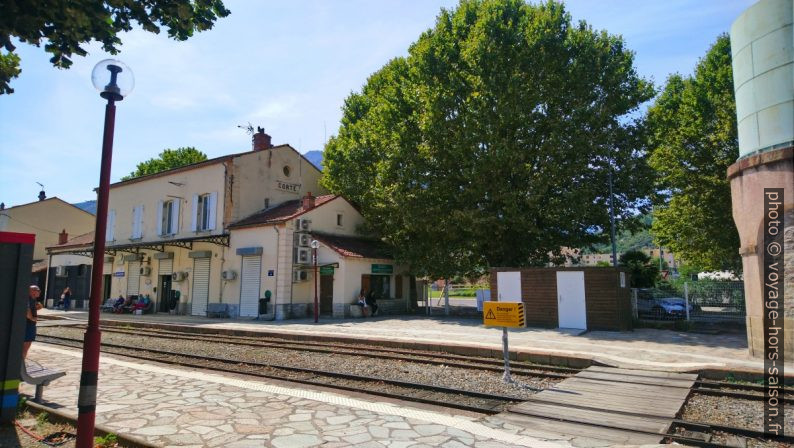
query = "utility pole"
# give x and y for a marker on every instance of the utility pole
(612, 219)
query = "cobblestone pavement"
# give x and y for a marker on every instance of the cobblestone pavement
(642, 348)
(192, 408)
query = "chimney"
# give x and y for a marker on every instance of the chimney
(42, 195)
(261, 140)
(308, 201)
(63, 237)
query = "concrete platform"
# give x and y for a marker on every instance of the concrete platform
(646, 349)
(184, 407)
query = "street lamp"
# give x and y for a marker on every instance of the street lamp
(315, 244)
(114, 80)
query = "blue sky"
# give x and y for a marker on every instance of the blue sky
(286, 66)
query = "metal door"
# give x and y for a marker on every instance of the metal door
(133, 278)
(571, 307)
(250, 276)
(201, 286)
(508, 285)
(327, 294)
(165, 269)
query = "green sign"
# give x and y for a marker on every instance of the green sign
(326, 270)
(382, 269)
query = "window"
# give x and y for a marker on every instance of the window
(339, 219)
(286, 170)
(167, 219)
(203, 218)
(203, 212)
(380, 286)
(267, 203)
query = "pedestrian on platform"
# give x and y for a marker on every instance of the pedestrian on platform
(66, 299)
(31, 317)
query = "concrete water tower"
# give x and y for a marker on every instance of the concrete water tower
(762, 44)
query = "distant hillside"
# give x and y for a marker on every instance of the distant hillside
(316, 158)
(89, 206)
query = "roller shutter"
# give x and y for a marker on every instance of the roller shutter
(249, 285)
(166, 267)
(133, 278)
(201, 286)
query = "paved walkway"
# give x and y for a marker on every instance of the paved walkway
(192, 408)
(638, 349)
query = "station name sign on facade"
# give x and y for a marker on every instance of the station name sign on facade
(503, 314)
(382, 269)
(284, 186)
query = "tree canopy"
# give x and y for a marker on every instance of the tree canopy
(693, 139)
(491, 142)
(168, 159)
(66, 25)
(644, 271)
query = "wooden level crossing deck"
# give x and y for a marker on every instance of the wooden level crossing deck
(607, 406)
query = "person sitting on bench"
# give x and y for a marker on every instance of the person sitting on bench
(121, 302)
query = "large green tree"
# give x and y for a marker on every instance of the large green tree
(65, 26)
(490, 143)
(168, 159)
(693, 140)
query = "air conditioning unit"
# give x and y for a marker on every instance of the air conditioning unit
(303, 240)
(60, 271)
(179, 276)
(299, 276)
(228, 275)
(303, 256)
(302, 225)
(145, 271)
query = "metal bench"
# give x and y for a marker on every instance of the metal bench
(33, 373)
(218, 310)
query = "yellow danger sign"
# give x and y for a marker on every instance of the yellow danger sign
(503, 314)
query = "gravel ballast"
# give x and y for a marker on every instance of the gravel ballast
(360, 364)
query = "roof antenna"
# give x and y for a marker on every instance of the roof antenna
(249, 129)
(42, 195)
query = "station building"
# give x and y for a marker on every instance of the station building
(235, 229)
(51, 220)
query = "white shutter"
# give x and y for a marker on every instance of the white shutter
(249, 286)
(175, 217)
(212, 211)
(133, 278)
(159, 217)
(201, 286)
(137, 221)
(194, 215)
(166, 267)
(110, 225)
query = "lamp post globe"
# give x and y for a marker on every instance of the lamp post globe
(114, 81)
(315, 245)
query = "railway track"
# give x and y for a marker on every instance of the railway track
(403, 390)
(705, 387)
(420, 356)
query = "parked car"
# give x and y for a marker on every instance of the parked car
(658, 304)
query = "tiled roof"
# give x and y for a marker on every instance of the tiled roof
(354, 247)
(80, 240)
(280, 213)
